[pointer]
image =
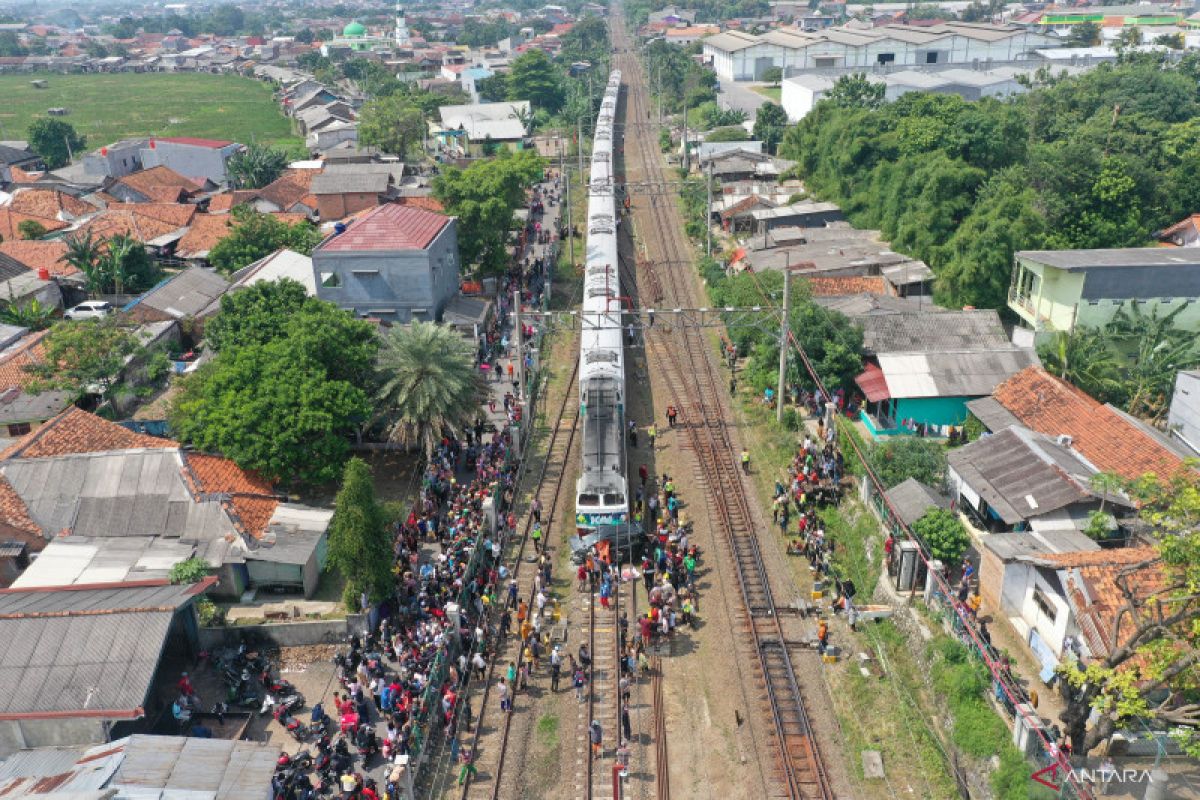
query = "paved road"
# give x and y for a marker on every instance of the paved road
(740, 96)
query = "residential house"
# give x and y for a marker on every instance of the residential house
(10, 223)
(22, 411)
(1058, 290)
(1018, 480)
(804, 214)
(924, 368)
(911, 500)
(480, 125)
(340, 194)
(19, 285)
(205, 159)
(683, 35)
(208, 229)
(116, 160)
(159, 226)
(843, 287)
(155, 184)
(143, 766)
(1185, 233)
(89, 479)
(50, 203)
(182, 296)
(739, 164)
(1183, 418)
(19, 157)
(1106, 436)
(332, 135)
(398, 263)
(39, 255)
(102, 690)
(672, 15)
(1059, 592)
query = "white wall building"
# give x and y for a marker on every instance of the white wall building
(1183, 420)
(744, 57)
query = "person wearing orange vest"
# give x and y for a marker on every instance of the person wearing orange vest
(822, 636)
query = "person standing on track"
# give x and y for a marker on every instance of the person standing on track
(671, 414)
(596, 735)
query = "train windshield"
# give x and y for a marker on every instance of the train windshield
(614, 499)
(588, 500)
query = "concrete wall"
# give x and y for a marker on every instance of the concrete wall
(117, 162)
(284, 634)
(397, 285)
(1184, 419)
(192, 161)
(22, 734)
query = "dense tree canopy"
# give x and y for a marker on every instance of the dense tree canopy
(359, 545)
(256, 235)
(288, 386)
(483, 197)
(1098, 160)
(55, 141)
(534, 77)
(393, 124)
(83, 356)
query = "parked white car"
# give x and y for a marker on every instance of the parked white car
(92, 309)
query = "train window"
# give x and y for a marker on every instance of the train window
(601, 292)
(588, 500)
(597, 356)
(614, 499)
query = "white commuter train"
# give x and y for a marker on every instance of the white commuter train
(601, 494)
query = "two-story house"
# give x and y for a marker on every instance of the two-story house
(1058, 290)
(397, 263)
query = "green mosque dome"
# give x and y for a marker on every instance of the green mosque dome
(354, 29)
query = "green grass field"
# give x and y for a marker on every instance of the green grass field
(109, 107)
(772, 93)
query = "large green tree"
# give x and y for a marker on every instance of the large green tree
(393, 124)
(55, 140)
(429, 384)
(359, 545)
(256, 166)
(484, 197)
(256, 235)
(944, 534)
(83, 357)
(769, 125)
(534, 77)
(902, 457)
(1150, 675)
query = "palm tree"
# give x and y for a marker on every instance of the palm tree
(525, 117)
(428, 384)
(1085, 358)
(256, 166)
(83, 253)
(33, 314)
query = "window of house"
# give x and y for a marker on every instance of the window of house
(1044, 605)
(931, 58)
(886, 58)
(19, 429)
(330, 280)
(826, 61)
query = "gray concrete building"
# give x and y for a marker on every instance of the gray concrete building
(397, 263)
(192, 157)
(116, 160)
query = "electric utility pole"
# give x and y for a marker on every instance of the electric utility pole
(708, 214)
(783, 337)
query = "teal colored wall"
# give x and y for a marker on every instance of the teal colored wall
(933, 410)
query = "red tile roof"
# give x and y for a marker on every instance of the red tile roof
(75, 431)
(290, 188)
(1052, 406)
(145, 181)
(10, 222)
(194, 141)
(427, 203)
(389, 227)
(110, 223)
(27, 351)
(834, 287)
(14, 512)
(49, 203)
(40, 255)
(1092, 590)
(217, 475)
(206, 231)
(177, 214)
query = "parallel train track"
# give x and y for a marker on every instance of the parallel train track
(697, 393)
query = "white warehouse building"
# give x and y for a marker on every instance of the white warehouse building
(802, 92)
(741, 56)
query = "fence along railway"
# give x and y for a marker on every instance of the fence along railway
(697, 393)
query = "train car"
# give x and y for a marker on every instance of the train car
(601, 494)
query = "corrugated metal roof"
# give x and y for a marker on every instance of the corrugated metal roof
(1011, 546)
(949, 330)
(1022, 474)
(994, 416)
(78, 559)
(951, 374)
(186, 294)
(59, 770)
(186, 768)
(389, 227)
(121, 493)
(911, 499)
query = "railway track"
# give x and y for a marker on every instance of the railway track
(697, 389)
(491, 757)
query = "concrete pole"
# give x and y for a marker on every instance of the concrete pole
(520, 342)
(579, 137)
(783, 338)
(570, 231)
(708, 214)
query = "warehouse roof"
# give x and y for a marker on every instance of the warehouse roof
(86, 650)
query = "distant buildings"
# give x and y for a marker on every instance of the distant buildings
(396, 263)
(466, 126)
(739, 56)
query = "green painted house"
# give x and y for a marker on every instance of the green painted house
(1057, 290)
(923, 368)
